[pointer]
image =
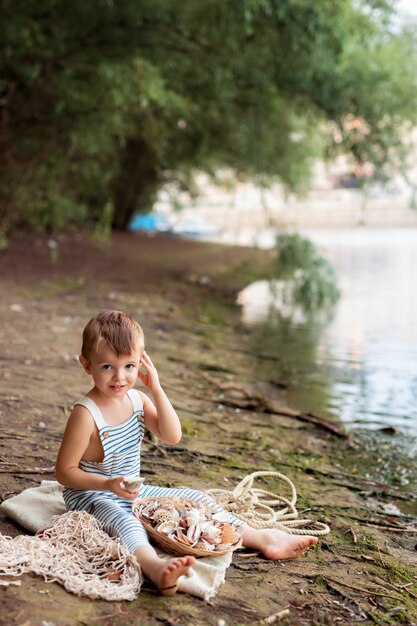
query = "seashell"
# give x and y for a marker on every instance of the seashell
(167, 527)
(222, 516)
(132, 483)
(141, 509)
(194, 517)
(150, 507)
(166, 515)
(182, 537)
(223, 546)
(194, 533)
(146, 511)
(228, 534)
(211, 534)
(202, 544)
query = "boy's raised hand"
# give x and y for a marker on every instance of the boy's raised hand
(114, 485)
(149, 378)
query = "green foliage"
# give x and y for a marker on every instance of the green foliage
(309, 277)
(3, 241)
(102, 103)
(103, 228)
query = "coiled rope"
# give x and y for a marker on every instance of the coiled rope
(255, 506)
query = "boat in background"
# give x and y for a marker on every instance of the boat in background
(181, 227)
(150, 223)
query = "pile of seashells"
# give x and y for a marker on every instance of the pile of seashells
(190, 523)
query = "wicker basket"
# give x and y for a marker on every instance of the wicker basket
(174, 546)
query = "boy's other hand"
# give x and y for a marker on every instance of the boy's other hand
(114, 485)
(149, 378)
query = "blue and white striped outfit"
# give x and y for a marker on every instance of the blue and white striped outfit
(121, 446)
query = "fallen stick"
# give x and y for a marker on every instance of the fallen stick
(398, 588)
(390, 528)
(35, 470)
(381, 559)
(314, 419)
(372, 593)
(253, 401)
(7, 583)
(276, 617)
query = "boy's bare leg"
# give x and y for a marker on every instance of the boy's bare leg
(276, 544)
(164, 574)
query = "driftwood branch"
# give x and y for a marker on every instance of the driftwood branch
(35, 470)
(398, 588)
(390, 529)
(254, 400)
(368, 591)
(276, 617)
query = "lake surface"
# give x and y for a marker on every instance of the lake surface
(358, 365)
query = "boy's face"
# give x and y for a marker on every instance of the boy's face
(113, 375)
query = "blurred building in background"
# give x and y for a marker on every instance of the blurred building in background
(341, 195)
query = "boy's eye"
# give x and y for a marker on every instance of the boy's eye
(129, 366)
(107, 366)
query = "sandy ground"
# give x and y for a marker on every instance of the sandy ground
(183, 292)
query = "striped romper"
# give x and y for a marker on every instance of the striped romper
(121, 446)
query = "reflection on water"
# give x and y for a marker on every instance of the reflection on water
(360, 365)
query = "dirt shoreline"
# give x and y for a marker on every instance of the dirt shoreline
(183, 293)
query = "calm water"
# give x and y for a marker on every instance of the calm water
(358, 365)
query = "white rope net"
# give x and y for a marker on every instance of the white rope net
(75, 552)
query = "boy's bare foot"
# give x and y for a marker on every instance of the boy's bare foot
(170, 573)
(276, 544)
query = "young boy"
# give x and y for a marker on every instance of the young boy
(101, 445)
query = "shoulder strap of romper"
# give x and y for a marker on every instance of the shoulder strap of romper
(136, 400)
(92, 407)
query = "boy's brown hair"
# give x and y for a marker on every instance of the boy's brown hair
(118, 330)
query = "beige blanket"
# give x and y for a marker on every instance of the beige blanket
(34, 507)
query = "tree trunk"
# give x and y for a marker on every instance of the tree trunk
(136, 186)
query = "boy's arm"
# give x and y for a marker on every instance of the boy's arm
(78, 432)
(160, 418)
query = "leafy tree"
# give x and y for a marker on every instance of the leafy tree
(308, 278)
(101, 103)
